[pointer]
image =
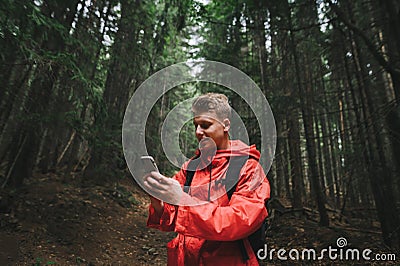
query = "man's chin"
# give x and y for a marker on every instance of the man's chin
(207, 145)
(207, 149)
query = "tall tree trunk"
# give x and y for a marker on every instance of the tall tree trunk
(295, 159)
(325, 143)
(307, 115)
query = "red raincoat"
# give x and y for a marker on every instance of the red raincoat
(208, 233)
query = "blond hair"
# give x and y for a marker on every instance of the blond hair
(212, 102)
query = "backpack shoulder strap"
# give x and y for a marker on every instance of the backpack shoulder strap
(232, 178)
(190, 170)
(233, 173)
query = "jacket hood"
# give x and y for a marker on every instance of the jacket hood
(239, 148)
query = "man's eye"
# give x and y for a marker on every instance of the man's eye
(203, 126)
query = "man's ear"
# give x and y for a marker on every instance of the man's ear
(227, 124)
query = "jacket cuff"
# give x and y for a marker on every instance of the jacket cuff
(154, 219)
(164, 221)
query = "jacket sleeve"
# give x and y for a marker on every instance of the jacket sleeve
(244, 214)
(165, 222)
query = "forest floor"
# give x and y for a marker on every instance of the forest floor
(50, 222)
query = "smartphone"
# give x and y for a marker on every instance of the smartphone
(149, 164)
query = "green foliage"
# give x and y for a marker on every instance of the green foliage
(124, 197)
(38, 262)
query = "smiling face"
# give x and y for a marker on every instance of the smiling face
(211, 120)
(207, 125)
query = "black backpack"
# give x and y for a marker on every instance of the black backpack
(256, 239)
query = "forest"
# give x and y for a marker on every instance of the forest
(330, 70)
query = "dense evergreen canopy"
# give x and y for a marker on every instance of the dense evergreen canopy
(330, 70)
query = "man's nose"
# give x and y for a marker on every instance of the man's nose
(199, 130)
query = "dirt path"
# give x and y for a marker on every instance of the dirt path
(52, 223)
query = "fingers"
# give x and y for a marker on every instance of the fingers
(157, 182)
(160, 178)
(163, 188)
(152, 183)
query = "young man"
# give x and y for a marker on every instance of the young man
(212, 227)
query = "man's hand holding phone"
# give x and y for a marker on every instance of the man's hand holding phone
(160, 186)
